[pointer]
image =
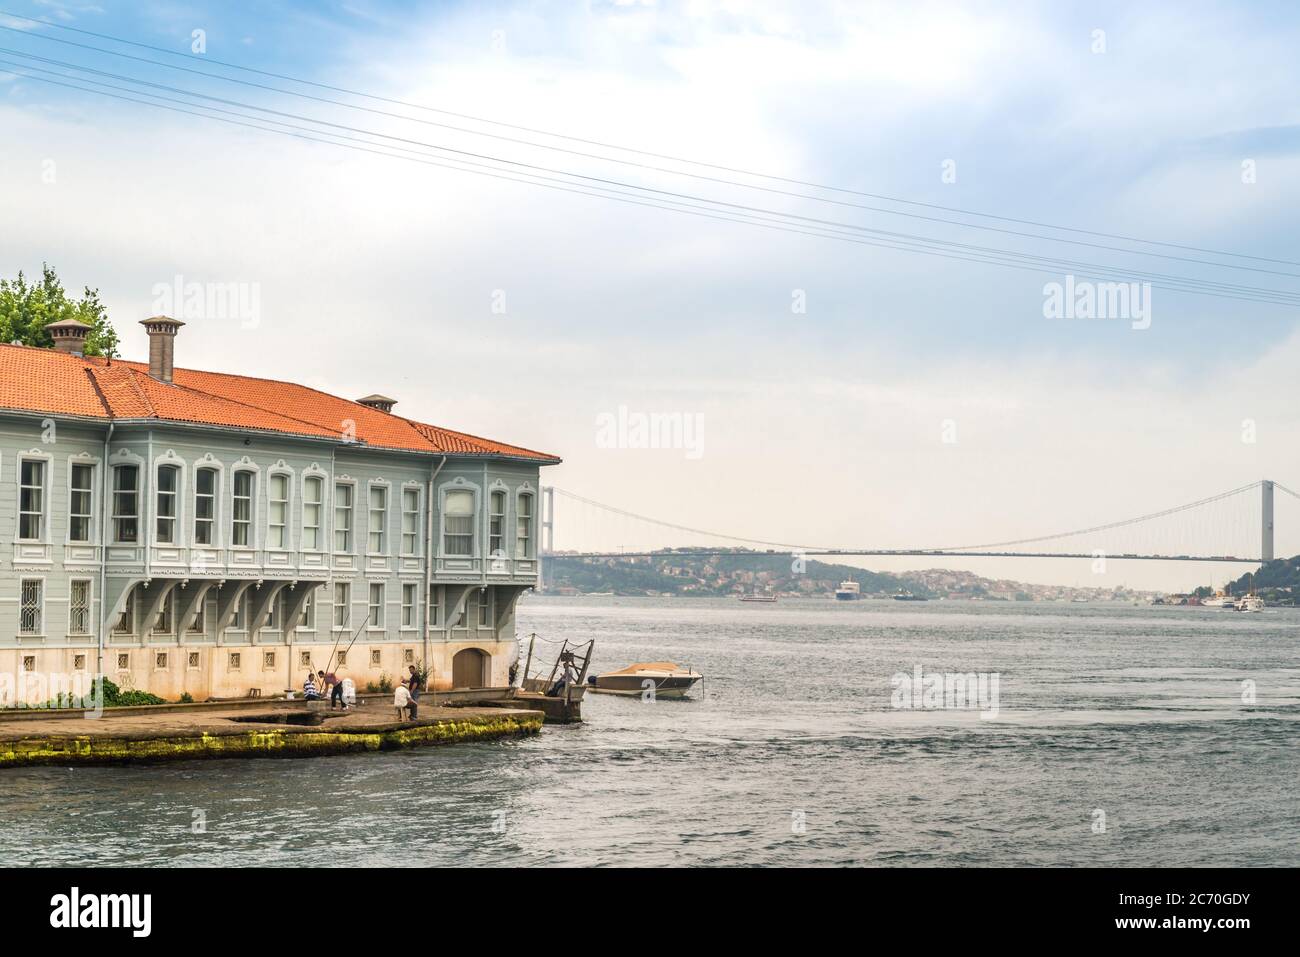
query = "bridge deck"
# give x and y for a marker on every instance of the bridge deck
(885, 553)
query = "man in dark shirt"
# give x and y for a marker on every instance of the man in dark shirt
(414, 685)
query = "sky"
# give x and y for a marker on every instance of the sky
(836, 393)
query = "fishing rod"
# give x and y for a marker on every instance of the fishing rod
(346, 615)
(329, 665)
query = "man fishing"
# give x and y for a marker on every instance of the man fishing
(331, 682)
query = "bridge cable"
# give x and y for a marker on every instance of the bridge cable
(1110, 525)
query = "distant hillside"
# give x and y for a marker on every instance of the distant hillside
(684, 573)
(681, 574)
(1278, 581)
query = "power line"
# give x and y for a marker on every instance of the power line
(751, 215)
(604, 145)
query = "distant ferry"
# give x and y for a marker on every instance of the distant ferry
(848, 591)
(1251, 602)
(908, 596)
(758, 597)
(1220, 600)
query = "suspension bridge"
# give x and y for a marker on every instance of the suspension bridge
(1239, 525)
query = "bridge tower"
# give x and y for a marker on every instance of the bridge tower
(1266, 520)
(548, 534)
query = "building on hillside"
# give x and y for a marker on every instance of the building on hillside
(213, 534)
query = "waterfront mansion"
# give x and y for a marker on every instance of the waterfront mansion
(201, 533)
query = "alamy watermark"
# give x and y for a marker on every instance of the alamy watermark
(1084, 299)
(946, 690)
(625, 429)
(29, 688)
(228, 301)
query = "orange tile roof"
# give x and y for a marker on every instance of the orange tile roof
(56, 383)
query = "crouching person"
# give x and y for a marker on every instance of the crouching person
(402, 700)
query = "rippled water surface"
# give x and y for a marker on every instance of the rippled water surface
(1134, 712)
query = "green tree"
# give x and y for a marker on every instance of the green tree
(26, 308)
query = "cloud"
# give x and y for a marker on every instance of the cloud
(822, 425)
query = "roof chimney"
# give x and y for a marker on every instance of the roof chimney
(69, 336)
(381, 402)
(162, 345)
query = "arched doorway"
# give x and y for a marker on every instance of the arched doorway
(470, 668)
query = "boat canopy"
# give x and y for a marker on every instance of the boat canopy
(646, 666)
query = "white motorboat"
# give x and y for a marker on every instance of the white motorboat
(667, 679)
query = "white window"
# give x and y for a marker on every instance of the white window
(435, 604)
(80, 504)
(376, 619)
(31, 500)
(31, 612)
(125, 624)
(497, 525)
(168, 479)
(342, 518)
(312, 491)
(524, 526)
(408, 606)
(162, 625)
(126, 504)
(277, 514)
(198, 624)
(485, 608)
(410, 521)
(205, 506)
(342, 601)
(378, 518)
(272, 619)
(308, 620)
(241, 517)
(241, 614)
(458, 524)
(79, 608)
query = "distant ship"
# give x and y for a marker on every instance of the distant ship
(1220, 600)
(848, 591)
(757, 597)
(1251, 602)
(908, 596)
